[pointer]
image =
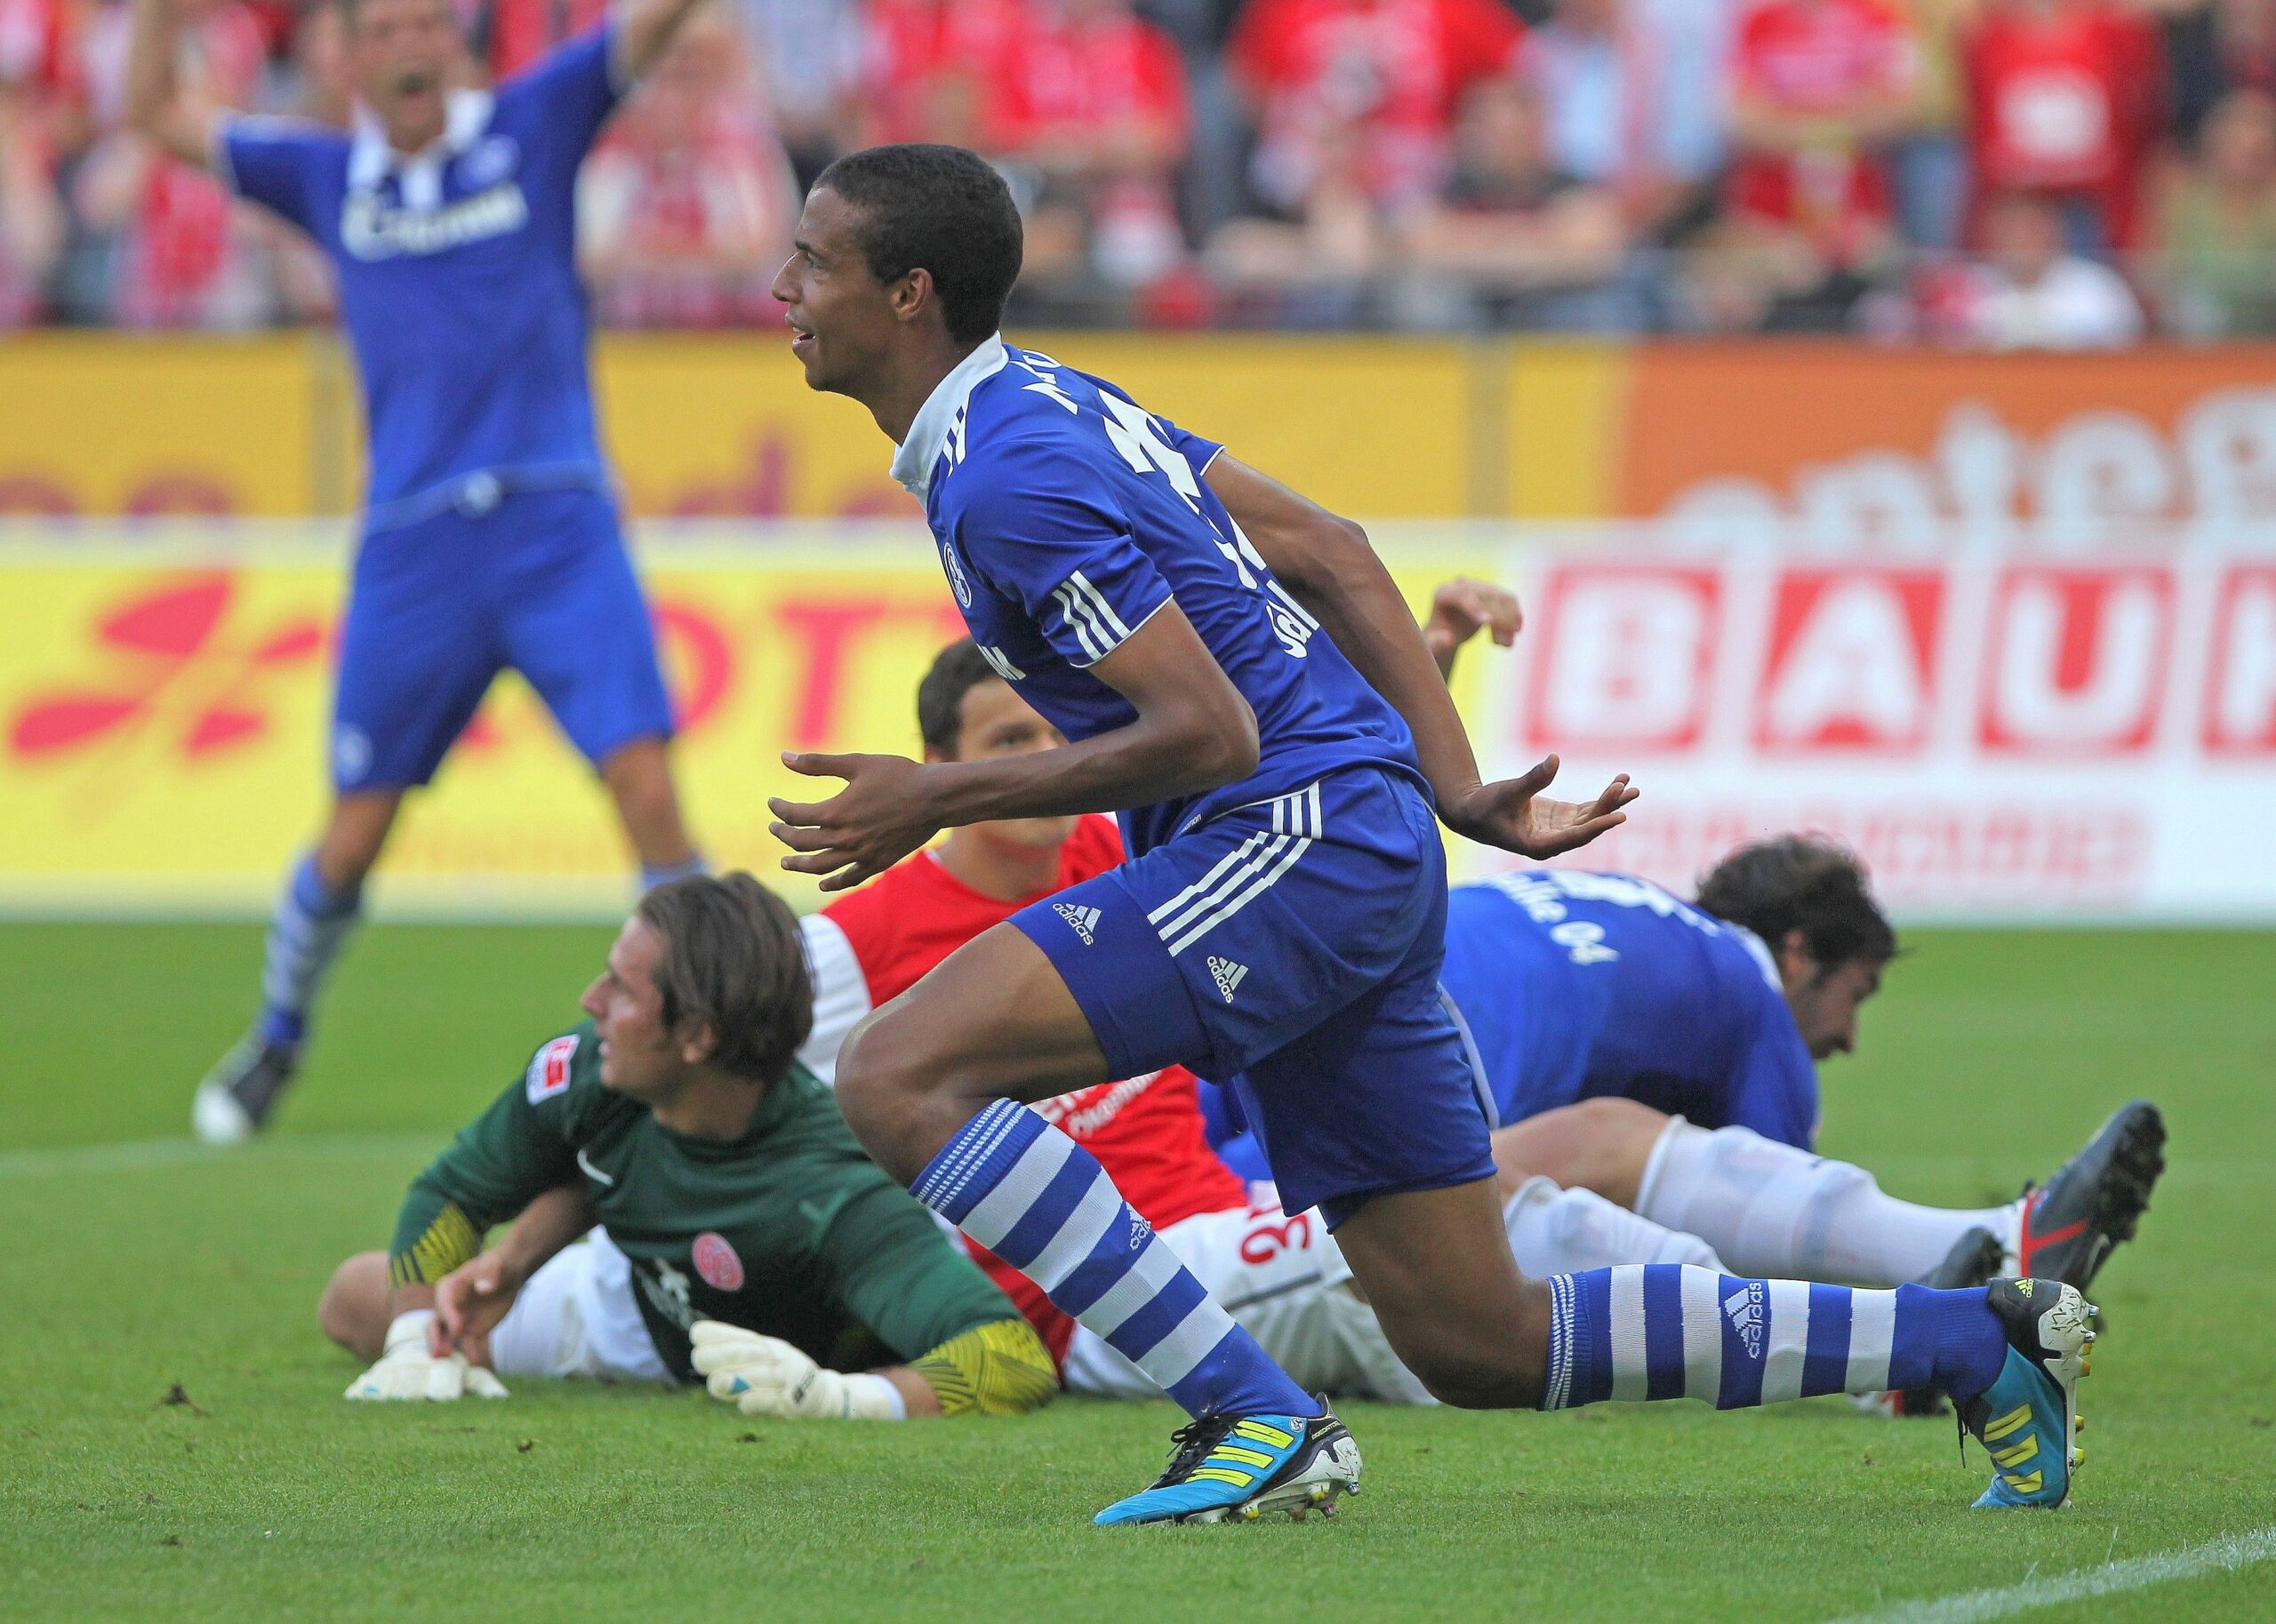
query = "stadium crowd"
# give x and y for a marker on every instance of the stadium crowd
(1995, 174)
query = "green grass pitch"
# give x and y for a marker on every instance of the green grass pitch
(132, 1269)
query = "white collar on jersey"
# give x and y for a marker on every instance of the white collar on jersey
(466, 115)
(913, 459)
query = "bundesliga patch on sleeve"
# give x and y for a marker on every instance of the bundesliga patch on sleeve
(549, 1073)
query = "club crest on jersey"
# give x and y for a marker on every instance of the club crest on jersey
(549, 1072)
(1082, 920)
(716, 1262)
(958, 581)
(492, 159)
(1749, 1314)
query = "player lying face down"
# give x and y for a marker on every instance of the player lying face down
(742, 1235)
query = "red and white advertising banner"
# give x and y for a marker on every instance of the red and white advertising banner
(2000, 734)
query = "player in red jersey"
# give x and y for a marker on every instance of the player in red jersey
(1279, 1274)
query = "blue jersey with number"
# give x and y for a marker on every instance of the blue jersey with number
(458, 279)
(1066, 516)
(1576, 984)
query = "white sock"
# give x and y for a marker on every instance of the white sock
(1772, 1210)
(1556, 1231)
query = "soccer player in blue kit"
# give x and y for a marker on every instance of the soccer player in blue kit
(1239, 677)
(489, 536)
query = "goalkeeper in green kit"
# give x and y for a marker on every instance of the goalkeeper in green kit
(743, 1238)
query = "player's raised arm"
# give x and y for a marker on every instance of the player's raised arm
(1193, 732)
(1326, 563)
(157, 107)
(644, 31)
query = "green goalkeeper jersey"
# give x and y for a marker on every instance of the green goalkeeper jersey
(789, 1230)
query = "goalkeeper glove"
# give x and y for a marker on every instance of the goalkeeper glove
(409, 1369)
(762, 1375)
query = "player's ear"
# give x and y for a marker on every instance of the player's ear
(1796, 964)
(913, 294)
(698, 1041)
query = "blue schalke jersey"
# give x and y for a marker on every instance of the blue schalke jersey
(1576, 984)
(1066, 516)
(458, 279)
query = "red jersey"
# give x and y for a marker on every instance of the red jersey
(1058, 74)
(2070, 101)
(1393, 71)
(877, 942)
(1819, 56)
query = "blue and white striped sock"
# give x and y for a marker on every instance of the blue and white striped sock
(311, 922)
(1669, 1331)
(1040, 1202)
(653, 875)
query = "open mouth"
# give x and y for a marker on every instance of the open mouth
(802, 339)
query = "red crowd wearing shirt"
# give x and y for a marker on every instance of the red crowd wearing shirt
(875, 943)
(1085, 66)
(2065, 100)
(1809, 58)
(1394, 68)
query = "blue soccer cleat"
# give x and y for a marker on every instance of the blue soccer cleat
(1237, 1467)
(2028, 1420)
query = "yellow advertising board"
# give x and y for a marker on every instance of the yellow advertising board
(111, 424)
(162, 715)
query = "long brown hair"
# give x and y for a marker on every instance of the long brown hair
(732, 957)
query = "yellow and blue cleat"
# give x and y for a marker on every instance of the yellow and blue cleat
(1238, 1468)
(2028, 1420)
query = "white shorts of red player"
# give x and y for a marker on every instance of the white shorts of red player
(1282, 1276)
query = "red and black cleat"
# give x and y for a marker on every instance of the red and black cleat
(2068, 1225)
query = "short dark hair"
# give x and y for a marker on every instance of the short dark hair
(1802, 882)
(732, 957)
(941, 209)
(957, 670)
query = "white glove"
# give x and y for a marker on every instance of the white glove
(408, 1370)
(763, 1375)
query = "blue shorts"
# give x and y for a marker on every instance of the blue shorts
(539, 583)
(1291, 950)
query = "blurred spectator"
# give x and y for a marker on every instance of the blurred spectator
(1633, 97)
(1928, 160)
(2031, 291)
(31, 213)
(2218, 229)
(686, 209)
(2213, 47)
(1363, 89)
(2065, 99)
(927, 68)
(508, 35)
(1819, 89)
(1090, 106)
(811, 56)
(1515, 242)
(182, 253)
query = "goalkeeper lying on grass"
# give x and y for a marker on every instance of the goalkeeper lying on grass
(743, 1236)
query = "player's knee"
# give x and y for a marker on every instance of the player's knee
(353, 1310)
(1464, 1382)
(883, 1078)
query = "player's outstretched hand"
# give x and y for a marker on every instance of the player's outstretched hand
(410, 1369)
(880, 817)
(1517, 817)
(1462, 608)
(764, 1375)
(469, 1301)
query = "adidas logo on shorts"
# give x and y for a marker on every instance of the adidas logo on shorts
(1085, 920)
(1228, 973)
(1746, 1311)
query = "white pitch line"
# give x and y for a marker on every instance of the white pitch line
(132, 1154)
(2222, 1556)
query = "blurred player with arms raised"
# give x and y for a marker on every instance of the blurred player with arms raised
(1239, 674)
(489, 536)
